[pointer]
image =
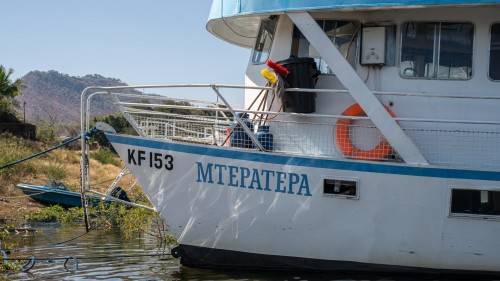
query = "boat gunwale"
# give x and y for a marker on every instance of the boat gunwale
(313, 161)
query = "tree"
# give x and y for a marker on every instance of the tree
(8, 91)
(118, 122)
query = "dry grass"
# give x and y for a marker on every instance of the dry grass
(61, 164)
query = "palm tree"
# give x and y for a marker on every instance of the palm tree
(8, 91)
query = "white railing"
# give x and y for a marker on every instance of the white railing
(319, 135)
(446, 147)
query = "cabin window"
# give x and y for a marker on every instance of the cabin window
(436, 50)
(344, 188)
(264, 41)
(495, 52)
(475, 202)
(342, 33)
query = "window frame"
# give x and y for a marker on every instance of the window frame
(341, 196)
(489, 51)
(357, 40)
(254, 49)
(471, 216)
(474, 36)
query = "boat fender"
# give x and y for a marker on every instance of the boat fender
(344, 143)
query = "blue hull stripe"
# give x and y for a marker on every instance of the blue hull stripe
(360, 166)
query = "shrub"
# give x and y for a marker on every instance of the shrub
(52, 213)
(105, 156)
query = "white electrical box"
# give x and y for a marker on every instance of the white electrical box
(373, 45)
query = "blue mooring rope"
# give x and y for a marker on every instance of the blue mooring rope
(88, 135)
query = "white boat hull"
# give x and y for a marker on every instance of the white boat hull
(400, 220)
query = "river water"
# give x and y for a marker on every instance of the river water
(106, 255)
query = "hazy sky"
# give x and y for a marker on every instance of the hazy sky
(139, 42)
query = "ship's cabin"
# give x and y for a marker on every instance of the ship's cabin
(436, 69)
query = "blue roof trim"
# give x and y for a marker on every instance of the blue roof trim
(229, 8)
(382, 168)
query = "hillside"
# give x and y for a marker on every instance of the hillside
(54, 97)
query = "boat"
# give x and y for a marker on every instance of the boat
(55, 192)
(369, 140)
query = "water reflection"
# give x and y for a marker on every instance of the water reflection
(101, 255)
(106, 255)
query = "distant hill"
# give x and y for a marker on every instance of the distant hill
(52, 96)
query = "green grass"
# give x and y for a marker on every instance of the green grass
(105, 156)
(56, 171)
(132, 222)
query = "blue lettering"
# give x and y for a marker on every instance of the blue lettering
(245, 174)
(244, 177)
(294, 179)
(304, 184)
(202, 176)
(219, 166)
(280, 179)
(233, 172)
(255, 179)
(267, 173)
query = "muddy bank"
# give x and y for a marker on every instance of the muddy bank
(15, 205)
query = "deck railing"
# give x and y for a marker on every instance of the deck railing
(318, 135)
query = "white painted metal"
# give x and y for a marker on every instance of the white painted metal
(302, 115)
(357, 88)
(398, 220)
(101, 126)
(237, 119)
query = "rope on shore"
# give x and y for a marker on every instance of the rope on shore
(88, 134)
(20, 196)
(42, 192)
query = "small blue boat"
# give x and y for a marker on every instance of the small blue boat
(55, 192)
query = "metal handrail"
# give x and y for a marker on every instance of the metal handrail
(307, 115)
(90, 92)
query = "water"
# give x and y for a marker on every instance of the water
(101, 255)
(106, 255)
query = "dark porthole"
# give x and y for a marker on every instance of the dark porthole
(341, 188)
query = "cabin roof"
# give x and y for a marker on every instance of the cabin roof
(237, 21)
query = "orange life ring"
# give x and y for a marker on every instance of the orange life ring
(344, 143)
